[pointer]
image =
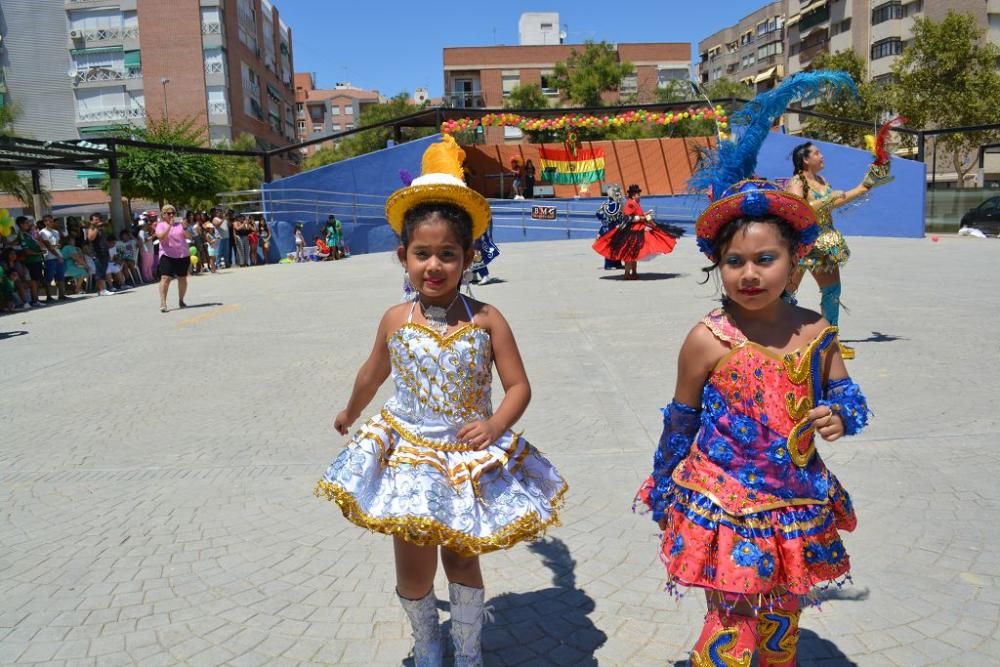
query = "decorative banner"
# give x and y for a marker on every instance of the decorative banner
(576, 121)
(571, 168)
(543, 212)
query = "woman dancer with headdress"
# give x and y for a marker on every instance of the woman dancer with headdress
(830, 251)
(637, 236)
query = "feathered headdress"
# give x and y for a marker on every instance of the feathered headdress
(735, 159)
(726, 172)
(876, 144)
(440, 181)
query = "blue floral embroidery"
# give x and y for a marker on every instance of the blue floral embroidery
(821, 485)
(835, 552)
(746, 553)
(720, 452)
(744, 428)
(677, 546)
(751, 477)
(758, 373)
(815, 553)
(777, 452)
(715, 405)
(765, 565)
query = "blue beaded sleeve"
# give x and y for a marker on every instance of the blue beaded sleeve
(680, 425)
(844, 397)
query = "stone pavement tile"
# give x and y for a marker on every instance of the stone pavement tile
(39, 651)
(101, 646)
(210, 657)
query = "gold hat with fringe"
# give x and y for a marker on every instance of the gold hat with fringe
(440, 181)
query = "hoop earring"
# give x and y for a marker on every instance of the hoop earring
(466, 281)
(409, 293)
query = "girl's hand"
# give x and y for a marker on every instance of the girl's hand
(342, 422)
(830, 426)
(480, 434)
(662, 523)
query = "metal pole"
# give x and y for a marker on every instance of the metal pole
(934, 164)
(115, 192)
(268, 174)
(921, 138)
(36, 193)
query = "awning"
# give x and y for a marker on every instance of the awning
(747, 81)
(91, 174)
(100, 49)
(133, 59)
(815, 4)
(793, 20)
(766, 75)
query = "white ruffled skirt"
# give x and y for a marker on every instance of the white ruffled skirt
(393, 480)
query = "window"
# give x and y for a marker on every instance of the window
(546, 26)
(349, 110)
(334, 111)
(749, 60)
(548, 81)
(510, 80)
(335, 127)
(887, 47)
(814, 18)
(217, 100)
(770, 49)
(913, 8)
(211, 21)
(629, 85)
(317, 113)
(842, 26)
(247, 16)
(887, 12)
(300, 109)
(746, 38)
(302, 126)
(251, 92)
(350, 126)
(98, 59)
(317, 129)
(770, 25)
(214, 63)
(95, 19)
(664, 75)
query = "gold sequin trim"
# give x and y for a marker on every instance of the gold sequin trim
(436, 445)
(424, 532)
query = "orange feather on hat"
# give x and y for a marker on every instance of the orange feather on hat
(444, 157)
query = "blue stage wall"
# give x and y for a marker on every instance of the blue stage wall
(355, 191)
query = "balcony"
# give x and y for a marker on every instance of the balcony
(103, 36)
(212, 28)
(120, 114)
(104, 74)
(469, 100)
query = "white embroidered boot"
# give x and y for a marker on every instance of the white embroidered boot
(428, 644)
(467, 624)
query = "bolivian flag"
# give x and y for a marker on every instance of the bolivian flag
(562, 167)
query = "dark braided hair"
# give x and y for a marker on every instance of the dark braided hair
(457, 218)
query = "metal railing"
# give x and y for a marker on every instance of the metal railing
(218, 109)
(211, 28)
(470, 100)
(110, 113)
(114, 34)
(215, 68)
(98, 74)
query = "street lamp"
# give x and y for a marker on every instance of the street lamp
(163, 82)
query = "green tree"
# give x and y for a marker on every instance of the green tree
(585, 76)
(947, 77)
(241, 173)
(871, 103)
(162, 175)
(724, 87)
(323, 156)
(675, 91)
(528, 96)
(18, 183)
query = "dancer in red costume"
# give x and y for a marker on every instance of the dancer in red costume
(637, 237)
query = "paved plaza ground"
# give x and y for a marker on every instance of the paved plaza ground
(156, 471)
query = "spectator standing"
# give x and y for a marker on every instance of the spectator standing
(33, 258)
(102, 252)
(515, 189)
(175, 261)
(212, 240)
(223, 252)
(254, 239)
(147, 254)
(335, 237)
(51, 239)
(300, 244)
(242, 228)
(529, 179)
(265, 241)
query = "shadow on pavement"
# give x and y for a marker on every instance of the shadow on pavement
(876, 337)
(544, 627)
(211, 304)
(646, 276)
(4, 335)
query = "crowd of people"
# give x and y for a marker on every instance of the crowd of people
(52, 259)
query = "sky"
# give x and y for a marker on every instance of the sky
(397, 46)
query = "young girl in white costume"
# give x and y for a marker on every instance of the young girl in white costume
(438, 469)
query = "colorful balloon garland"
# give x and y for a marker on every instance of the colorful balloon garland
(572, 122)
(6, 223)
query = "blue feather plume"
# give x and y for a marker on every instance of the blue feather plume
(734, 160)
(406, 177)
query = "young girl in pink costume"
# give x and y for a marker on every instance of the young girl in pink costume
(438, 468)
(749, 511)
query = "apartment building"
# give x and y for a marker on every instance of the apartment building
(80, 68)
(752, 51)
(483, 76)
(320, 112)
